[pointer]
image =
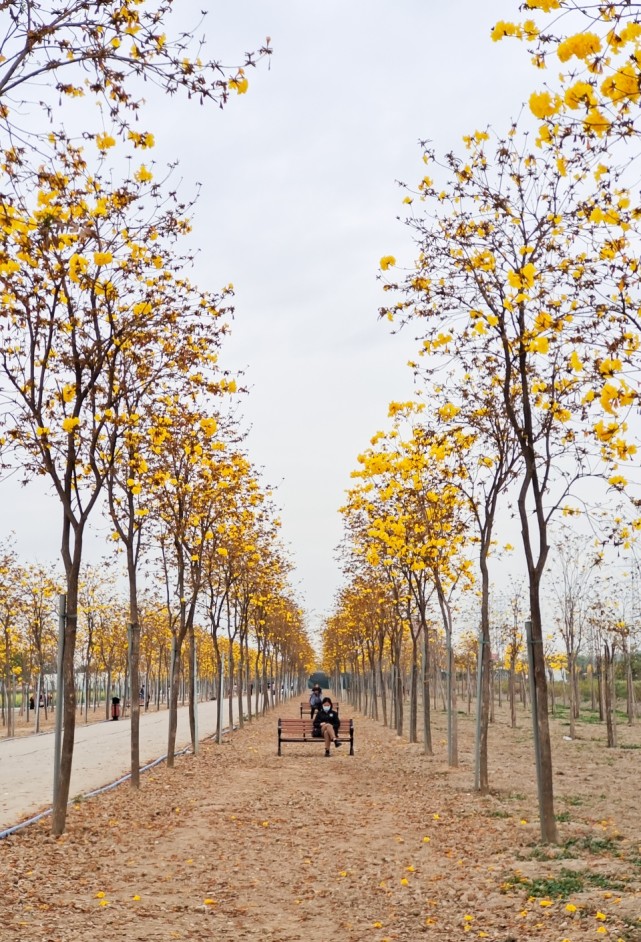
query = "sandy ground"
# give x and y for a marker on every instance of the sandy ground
(238, 844)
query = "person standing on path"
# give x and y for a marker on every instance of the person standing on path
(315, 700)
(327, 724)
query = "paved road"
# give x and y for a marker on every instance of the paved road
(101, 755)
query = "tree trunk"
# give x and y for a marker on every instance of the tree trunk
(572, 692)
(72, 562)
(174, 692)
(609, 692)
(545, 784)
(191, 646)
(134, 669)
(383, 689)
(630, 698)
(425, 669)
(512, 693)
(413, 730)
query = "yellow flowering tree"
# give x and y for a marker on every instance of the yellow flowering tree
(10, 614)
(171, 355)
(576, 561)
(186, 465)
(73, 49)
(510, 284)
(89, 286)
(593, 54)
(458, 424)
(39, 589)
(413, 518)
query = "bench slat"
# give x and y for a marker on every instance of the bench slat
(295, 730)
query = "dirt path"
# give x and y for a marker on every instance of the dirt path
(238, 844)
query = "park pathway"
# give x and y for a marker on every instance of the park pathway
(101, 755)
(237, 844)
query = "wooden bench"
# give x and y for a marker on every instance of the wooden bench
(293, 730)
(305, 709)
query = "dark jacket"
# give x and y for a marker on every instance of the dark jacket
(315, 702)
(330, 717)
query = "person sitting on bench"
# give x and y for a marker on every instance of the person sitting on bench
(327, 724)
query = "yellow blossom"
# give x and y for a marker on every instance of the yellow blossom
(209, 426)
(575, 362)
(580, 45)
(105, 141)
(539, 345)
(142, 175)
(545, 5)
(542, 105)
(239, 83)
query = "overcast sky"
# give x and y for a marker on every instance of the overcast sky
(299, 203)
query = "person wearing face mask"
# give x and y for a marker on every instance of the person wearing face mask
(327, 724)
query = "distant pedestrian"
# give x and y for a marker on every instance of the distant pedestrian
(315, 700)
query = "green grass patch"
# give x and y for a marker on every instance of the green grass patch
(563, 816)
(542, 853)
(594, 845)
(563, 884)
(572, 800)
(499, 814)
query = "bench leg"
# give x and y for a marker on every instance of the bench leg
(351, 742)
(278, 742)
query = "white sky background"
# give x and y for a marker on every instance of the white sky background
(299, 203)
